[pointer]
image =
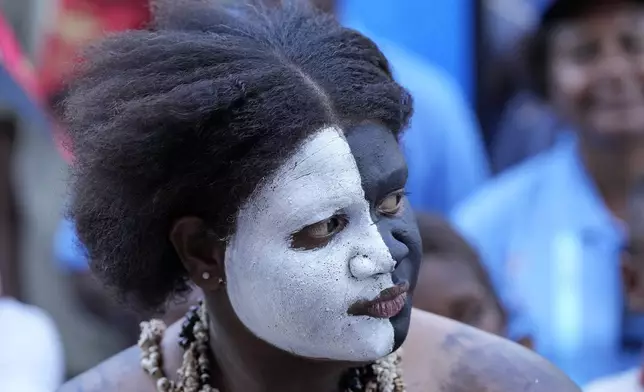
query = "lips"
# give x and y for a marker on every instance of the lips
(386, 305)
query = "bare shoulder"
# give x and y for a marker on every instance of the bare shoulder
(123, 373)
(119, 373)
(441, 355)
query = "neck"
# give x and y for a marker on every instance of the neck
(247, 364)
(614, 171)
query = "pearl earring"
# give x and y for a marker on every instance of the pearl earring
(205, 275)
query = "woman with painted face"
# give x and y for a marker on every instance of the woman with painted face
(550, 231)
(254, 153)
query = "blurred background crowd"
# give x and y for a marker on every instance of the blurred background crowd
(526, 156)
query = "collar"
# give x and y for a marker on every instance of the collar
(593, 220)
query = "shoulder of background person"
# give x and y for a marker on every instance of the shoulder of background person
(29, 340)
(628, 381)
(444, 355)
(19, 320)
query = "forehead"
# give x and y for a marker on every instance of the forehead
(598, 21)
(319, 179)
(331, 172)
(379, 160)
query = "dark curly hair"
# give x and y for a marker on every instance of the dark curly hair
(189, 116)
(536, 46)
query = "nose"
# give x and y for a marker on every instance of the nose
(615, 63)
(364, 266)
(616, 66)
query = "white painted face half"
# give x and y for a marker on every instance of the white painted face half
(296, 299)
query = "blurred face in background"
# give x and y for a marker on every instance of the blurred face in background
(596, 70)
(451, 288)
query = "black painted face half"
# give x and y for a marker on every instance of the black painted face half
(383, 171)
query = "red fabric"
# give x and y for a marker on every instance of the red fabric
(78, 23)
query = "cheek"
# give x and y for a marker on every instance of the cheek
(298, 301)
(284, 274)
(402, 238)
(568, 86)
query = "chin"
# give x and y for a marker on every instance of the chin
(371, 339)
(401, 322)
(616, 137)
(359, 339)
(612, 129)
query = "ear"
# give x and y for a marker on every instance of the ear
(633, 284)
(201, 253)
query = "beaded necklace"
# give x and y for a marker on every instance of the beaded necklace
(384, 375)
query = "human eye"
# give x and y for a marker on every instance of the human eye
(319, 234)
(392, 204)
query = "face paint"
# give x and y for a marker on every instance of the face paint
(383, 170)
(295, 294)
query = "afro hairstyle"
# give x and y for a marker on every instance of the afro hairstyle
(189, 116)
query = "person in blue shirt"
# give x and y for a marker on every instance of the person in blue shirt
(550, 230)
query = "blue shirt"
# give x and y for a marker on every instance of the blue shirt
(553, 252)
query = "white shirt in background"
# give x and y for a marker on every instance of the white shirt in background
(31, 353)
(622, 382)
